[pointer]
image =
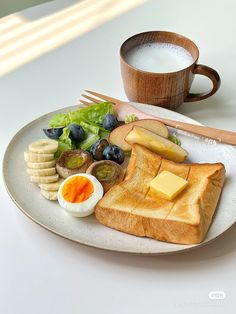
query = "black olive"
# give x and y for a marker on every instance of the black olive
(110, 122)
(54, 133)
(98, 148)
(115, 153)
(77, 133)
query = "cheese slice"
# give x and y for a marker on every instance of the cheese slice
(167, 185)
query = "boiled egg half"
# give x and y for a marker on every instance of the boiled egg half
(79, 194)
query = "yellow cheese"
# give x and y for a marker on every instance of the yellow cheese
(167, 185)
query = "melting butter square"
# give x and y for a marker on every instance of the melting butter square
(167, 185)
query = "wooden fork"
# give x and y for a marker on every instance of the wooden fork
(124, 109)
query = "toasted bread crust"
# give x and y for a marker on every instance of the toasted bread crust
(128, 208)
(158, 229)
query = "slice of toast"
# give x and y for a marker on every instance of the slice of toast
(129, 208)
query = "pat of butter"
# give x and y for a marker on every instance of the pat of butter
(167, 185)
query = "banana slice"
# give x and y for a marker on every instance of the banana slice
(54, 186)
(41, 165)
(49, 195)
(41, 172)
(33, 157)
(44, 146)
(46, 179)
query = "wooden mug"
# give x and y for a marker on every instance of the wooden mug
(170, 89)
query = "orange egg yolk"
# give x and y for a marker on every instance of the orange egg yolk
(77, 189)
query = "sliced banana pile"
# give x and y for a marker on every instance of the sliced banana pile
(42, 167)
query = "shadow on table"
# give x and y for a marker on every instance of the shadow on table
(215, 106)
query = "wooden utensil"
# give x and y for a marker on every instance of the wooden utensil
(124, 109)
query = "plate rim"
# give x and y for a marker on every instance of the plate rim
(186, 248)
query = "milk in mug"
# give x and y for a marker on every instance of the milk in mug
(159, 57)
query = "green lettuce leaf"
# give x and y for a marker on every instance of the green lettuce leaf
(96, 113)
(61, 148)
(89, 141)
(64, 142)
(60, 119)
(75, 116)
(103, 133)
(65, 137)
(89, 118)
(89, 128)
(93, 114)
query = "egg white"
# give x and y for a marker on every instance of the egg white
(86, 207)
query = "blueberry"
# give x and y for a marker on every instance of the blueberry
(98, 148)
(77, 133)
(54, 133)
(110, 122)
(114, 153)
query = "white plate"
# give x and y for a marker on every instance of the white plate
(88, 230)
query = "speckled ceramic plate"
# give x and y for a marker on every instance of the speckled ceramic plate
(88, 230)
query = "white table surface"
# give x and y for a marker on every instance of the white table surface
(43, 273)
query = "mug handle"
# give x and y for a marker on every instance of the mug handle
(212, 75)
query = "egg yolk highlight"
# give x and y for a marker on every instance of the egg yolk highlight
(77, 189)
